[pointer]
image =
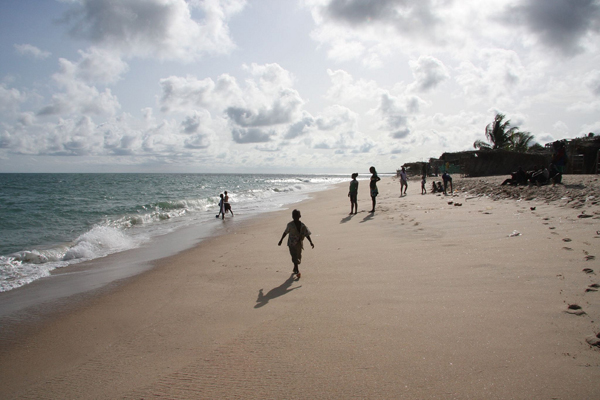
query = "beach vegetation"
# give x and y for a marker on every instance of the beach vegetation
(501, 135)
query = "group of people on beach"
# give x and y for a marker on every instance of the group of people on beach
(535, 176)
(353, 192)
(298, 231)
(436, 187)
(224, 205)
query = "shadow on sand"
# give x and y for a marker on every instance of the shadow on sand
(368, 217)
(280, 290)
(346, 219)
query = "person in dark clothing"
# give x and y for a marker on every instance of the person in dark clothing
(373, 187)
(297, 231)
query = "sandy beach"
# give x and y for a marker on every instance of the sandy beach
(489, 293)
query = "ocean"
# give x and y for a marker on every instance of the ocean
(51, 221)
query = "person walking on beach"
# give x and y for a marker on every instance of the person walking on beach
(403, 181)
(423, 183)
(226, 205)
(297, 231)
(353, 194)
(221, 211)
(447, 179)
(373, 187)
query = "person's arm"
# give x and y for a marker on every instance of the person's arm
(311, 243)
(282, 236)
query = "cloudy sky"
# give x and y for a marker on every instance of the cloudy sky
(286, 86)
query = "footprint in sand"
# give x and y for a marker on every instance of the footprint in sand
(566, 240)
(588, 270)
(551, 227)
(592, 288)
(568, 248)
(593, 340)
(575, 309)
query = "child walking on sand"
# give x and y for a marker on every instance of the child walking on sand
(353, 194)
(297, 232)
(423, 182)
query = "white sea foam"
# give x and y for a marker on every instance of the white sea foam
(99, 242)
(249, 195)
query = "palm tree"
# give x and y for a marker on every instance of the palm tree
(497, 134)
(521, 141)
(501, 135)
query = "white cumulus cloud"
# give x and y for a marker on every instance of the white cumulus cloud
(155, 28)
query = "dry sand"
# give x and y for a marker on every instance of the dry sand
(422, 299)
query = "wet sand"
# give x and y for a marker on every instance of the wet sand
(430, 297)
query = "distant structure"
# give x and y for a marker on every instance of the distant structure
(583, 154)
(583, 157)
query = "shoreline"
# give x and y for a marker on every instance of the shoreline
(416, 300)
(88, 276)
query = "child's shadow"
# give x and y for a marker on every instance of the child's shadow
(275, 292)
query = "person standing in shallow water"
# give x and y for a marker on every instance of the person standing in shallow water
(226, 205)
(373, 187)
(221, 211)
(297, 231)
(353, 194)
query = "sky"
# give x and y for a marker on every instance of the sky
(286, 86)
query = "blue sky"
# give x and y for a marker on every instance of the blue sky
(304, 86)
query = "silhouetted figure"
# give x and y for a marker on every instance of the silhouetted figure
(559, 158)
(226, 205)
(403, 181)
(423, 183)
(555, 174)
(516, 178)
(353, 194)
(373, 187)
(447, 180)
(297, 231)
(540, 177)
(221, 211)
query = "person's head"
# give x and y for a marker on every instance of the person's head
(221, 195)
(355, 175)
(296, 215)
(403, 169)
(372, 170)
(226, 193)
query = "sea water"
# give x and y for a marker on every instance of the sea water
(50, 221)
